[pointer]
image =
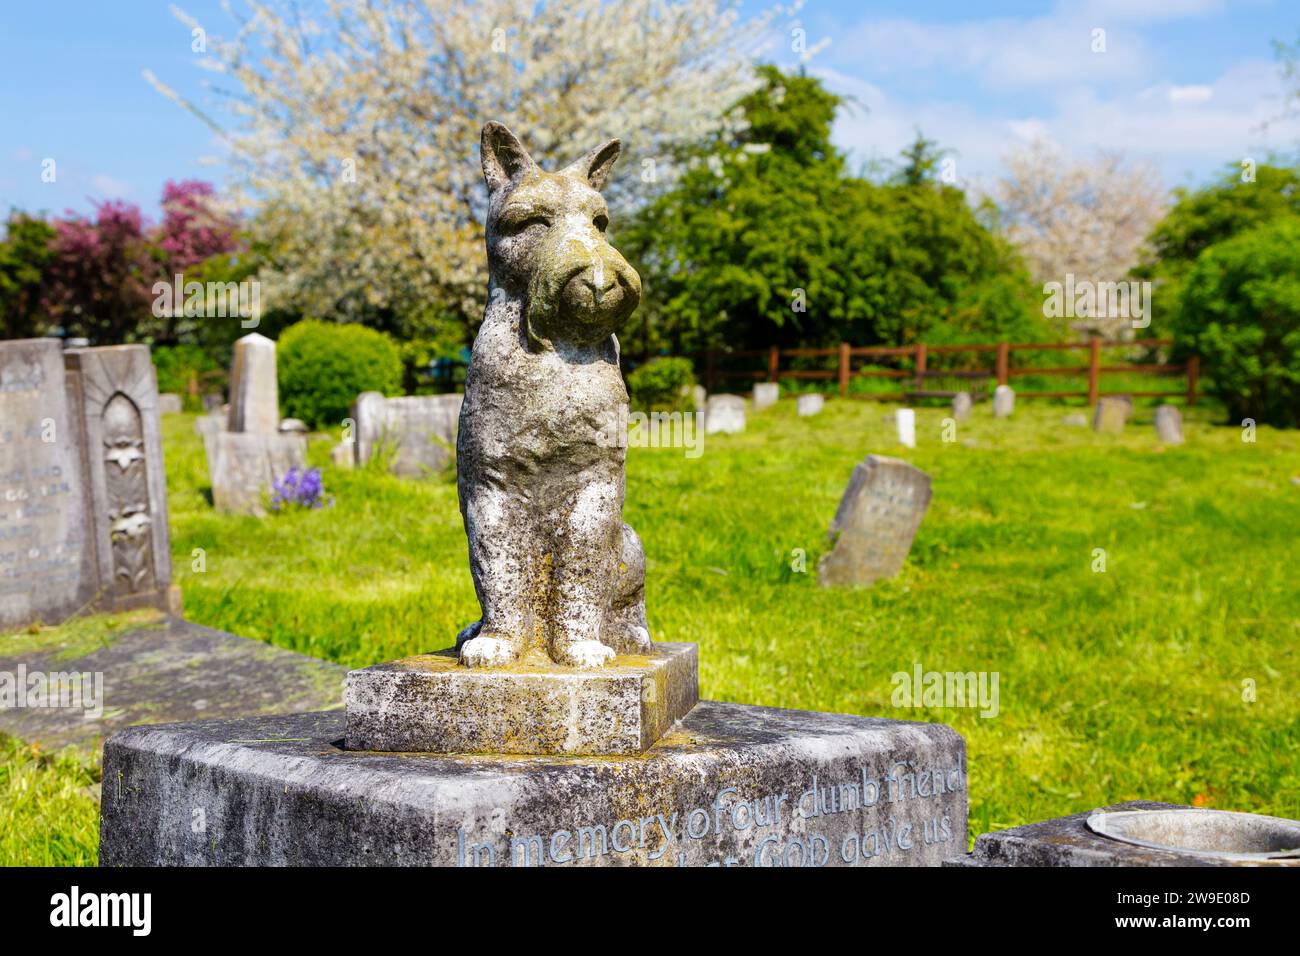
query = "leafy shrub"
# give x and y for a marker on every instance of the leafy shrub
(323, 368)
(662, 385)
(179, 365)
(1240, 311)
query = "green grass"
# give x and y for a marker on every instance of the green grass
(1113, 686)
(49, 807)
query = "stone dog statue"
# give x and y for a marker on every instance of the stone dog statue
(555, 568)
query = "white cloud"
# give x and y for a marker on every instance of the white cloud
(108, 187)
(1190, 94)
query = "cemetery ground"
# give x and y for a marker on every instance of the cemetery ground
(1132, 682)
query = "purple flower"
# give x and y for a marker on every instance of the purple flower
(299, 486)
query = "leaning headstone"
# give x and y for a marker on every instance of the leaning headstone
(83, 504)
(418, 431)
(118, 396)
(961, 406)
(1111, 414)
(876, 521)
(244, 466)
(47, 568)
(1169, 425)
(254, 391)
(809, 404)
(766, 394)
(1004, 401)
(169, 403)
(724, 413)
(905, 422)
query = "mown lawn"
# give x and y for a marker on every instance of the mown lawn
(1115, 685)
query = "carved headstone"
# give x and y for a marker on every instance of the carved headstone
(254, 391)
(244, 466)
(809, 404)
(47, 568)
(724, 413)
(418, 431)
(1169, 425)
(83, 504)
(961, 406)
(1004, 401)
(118, 395)
(1111, 414)
(766, 394)
(876, 521)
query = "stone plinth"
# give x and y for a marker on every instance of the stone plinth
(432, 703)
(732, 785)
(243, 467)
(1070, 841)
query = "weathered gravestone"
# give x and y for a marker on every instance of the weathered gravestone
(254, 390)
(961, 406)
(1075, 420)
(83, 506)
(876, 521)
(560, 664)
(245, 466)
(1004, 401)
(417, 431)
(1169, 425)
(810, 403)
(169, 403)
(1111, 414)
(766, 394)
(724, 413)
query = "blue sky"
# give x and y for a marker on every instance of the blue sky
(1186, 84)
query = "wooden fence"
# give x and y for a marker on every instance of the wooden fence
(851, 357)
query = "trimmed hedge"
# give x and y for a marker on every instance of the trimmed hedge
(322, 368)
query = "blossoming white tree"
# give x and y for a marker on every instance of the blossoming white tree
(1088, 217)
(356, 126)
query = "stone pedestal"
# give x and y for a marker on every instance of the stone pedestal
(431, 703)
(732, 785)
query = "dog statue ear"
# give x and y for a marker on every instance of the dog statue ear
(504, 157)
(593, 168)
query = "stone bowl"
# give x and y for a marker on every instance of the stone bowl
(1220, 834)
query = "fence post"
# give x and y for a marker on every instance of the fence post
(1004, 351)
(708, 371)
(1094, 369)
(920, 367)
(844, 369)
(1193, 375)
(773, 363)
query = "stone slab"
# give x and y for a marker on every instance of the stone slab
(766, 394)
(1004, 401)
(417, 431)
(431, 703)
(243, 466)
(1067, 841)
(1169, 425)
(173, 670)
(734, 784)
(810, 403)
(169, 403)
(962, 403)
(1111, 414)
(876, 521)
(724, 414)
(47, 559)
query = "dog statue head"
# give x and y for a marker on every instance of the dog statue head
(546, 243)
